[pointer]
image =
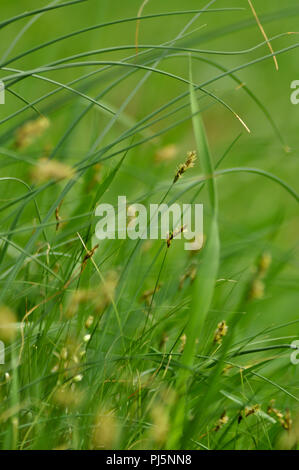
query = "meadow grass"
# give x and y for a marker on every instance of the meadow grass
(124, 344)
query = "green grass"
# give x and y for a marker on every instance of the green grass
(113, 347)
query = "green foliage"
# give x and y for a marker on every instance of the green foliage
(140, 345)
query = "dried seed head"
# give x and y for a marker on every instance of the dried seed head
(250, 410)
(224, 419)
(284, 418)
(89, 255)
(178, 231)
(47, 170)
(221, 331)
(8, 324)
(31, 131)
(190, 161)
(183, 167)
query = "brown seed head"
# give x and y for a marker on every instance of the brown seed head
(221, 331)
(183, 167)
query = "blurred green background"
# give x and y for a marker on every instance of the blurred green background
(256, 216)
(247, 201)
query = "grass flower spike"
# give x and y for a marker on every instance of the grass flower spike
(183, 167)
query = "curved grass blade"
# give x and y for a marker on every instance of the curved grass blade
(37, 11)
(203, 287)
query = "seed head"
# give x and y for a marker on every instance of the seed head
(183, 167)
(224, 419)
(251, 410)
(31, 131)
(177, 232)
(220, 332)
(47, 170)
(284, 419)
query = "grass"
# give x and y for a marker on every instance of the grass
(125, 344)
